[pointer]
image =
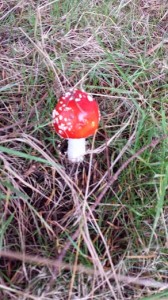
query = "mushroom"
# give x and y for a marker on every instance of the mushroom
(75, 117)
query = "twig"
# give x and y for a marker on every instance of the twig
(81, 269)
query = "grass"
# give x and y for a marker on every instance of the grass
(97, 230)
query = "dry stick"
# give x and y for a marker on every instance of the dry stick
(111, 181)
(41, 261)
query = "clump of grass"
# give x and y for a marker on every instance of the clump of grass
(97, 230)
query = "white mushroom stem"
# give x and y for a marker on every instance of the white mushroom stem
(76, 149)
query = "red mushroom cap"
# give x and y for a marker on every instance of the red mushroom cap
(76, 115)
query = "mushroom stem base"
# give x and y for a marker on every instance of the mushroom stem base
(76, 150)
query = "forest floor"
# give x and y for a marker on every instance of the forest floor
(96, 229)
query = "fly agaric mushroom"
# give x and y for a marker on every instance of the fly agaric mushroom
(75, 117)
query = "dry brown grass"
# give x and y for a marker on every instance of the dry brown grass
(97, 230)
